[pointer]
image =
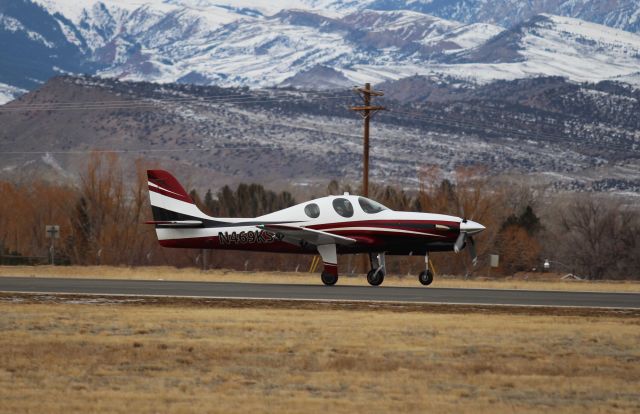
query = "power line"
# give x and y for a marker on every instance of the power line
(206, 98)
(491, 128)
(283, 96)
(409, 115)
(455, 123)
(154, 103)
(129, 101)
(135, 150)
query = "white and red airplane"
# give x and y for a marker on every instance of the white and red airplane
(329, 226)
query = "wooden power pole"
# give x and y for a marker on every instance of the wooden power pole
(366, 110)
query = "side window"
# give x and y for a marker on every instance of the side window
(343, 207)
(370, 206)
(312, 210)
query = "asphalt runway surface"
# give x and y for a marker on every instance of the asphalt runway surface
(416, 294)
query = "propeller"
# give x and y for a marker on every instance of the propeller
(460, 241)
(472, 250)
(465, 238)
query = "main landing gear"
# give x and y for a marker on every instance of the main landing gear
(329, 256)
(375, 276)
(426, 276)
(328, 278)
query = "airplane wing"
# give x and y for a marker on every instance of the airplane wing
(301, 235)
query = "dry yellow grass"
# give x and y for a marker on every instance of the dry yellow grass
(124, 358)
(217, 275)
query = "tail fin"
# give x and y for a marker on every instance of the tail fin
(170, 203)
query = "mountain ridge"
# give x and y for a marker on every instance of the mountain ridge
(237, 45)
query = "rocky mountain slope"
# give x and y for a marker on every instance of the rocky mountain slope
(553, 132)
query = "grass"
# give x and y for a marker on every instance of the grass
(148, 358)
(533, 282)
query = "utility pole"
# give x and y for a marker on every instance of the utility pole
(366, 111)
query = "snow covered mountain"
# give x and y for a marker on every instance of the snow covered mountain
(326, 43)
(620, 14)
(554, 46)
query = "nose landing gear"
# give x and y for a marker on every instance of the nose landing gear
(375, 276)
(426, 276)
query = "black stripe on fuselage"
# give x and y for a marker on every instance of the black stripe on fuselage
(162, 214)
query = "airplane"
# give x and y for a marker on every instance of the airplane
(330, 226)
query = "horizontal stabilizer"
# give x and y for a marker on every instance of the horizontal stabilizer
(176, 223)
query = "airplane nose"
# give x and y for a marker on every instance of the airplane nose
(471, 227)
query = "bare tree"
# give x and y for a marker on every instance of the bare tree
(598, 236)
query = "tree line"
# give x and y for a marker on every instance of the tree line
(102, 219)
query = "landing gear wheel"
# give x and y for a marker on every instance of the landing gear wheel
(329, 279)
(426, 277)
(375, 278)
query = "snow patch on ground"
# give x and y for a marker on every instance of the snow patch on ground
(8, 93)
(53, 163)
(467, 36)
(12, 25)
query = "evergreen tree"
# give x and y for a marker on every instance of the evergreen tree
(211, 205)
(528, 220)
(226, 201)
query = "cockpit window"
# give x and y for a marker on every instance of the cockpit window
(343, 207)
(370, 206)
(312, 210)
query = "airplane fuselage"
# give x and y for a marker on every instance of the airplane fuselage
(328, 226)
(394, 232)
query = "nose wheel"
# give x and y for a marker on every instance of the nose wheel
(426, 276)
(375, 276)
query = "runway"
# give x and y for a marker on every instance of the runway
(416, 294)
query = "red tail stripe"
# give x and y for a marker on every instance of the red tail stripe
(167, 185)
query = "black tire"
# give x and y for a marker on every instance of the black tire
(375, 279)
(329, 279)
(426, 277)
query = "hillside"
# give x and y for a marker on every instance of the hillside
(562, 134)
